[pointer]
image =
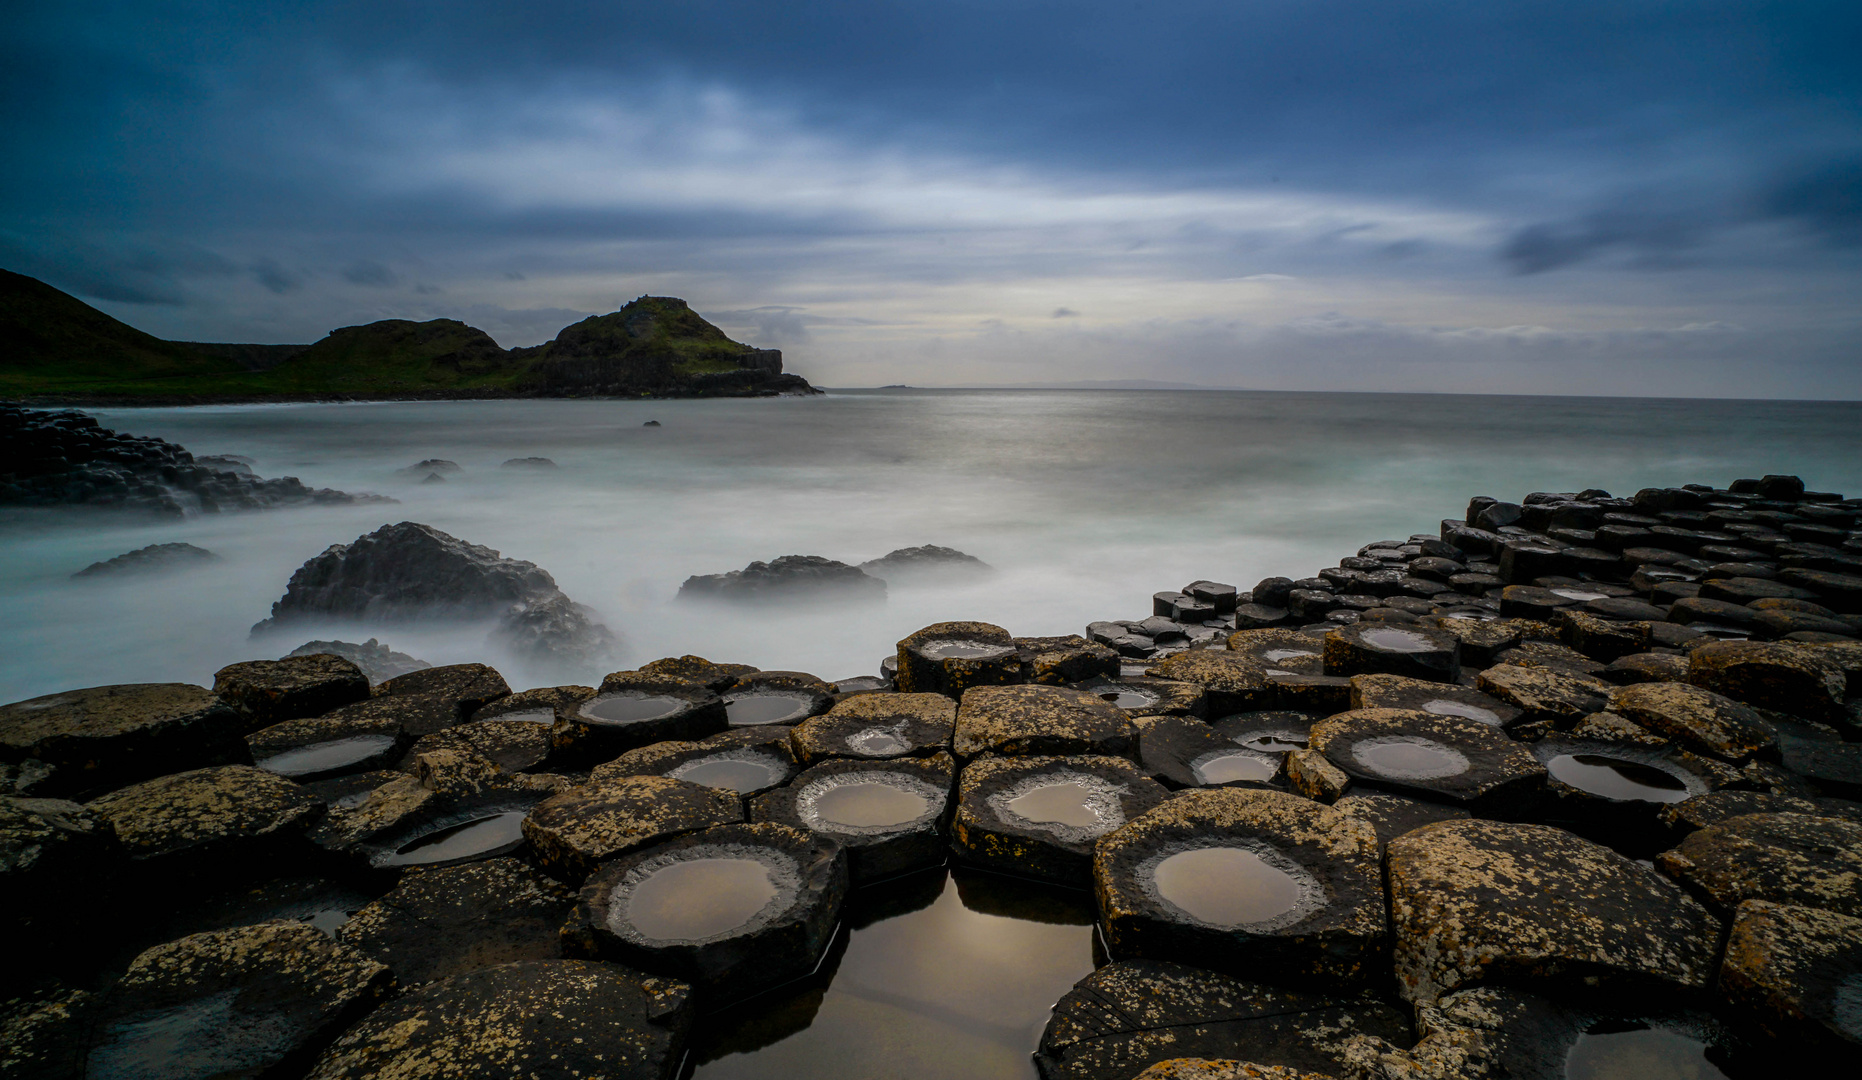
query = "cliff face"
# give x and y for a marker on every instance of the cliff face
(54, 347)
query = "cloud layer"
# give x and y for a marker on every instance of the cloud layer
(1544, 198)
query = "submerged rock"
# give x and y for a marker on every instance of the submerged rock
(1133, 1013)
(154, 559)
(928, 562)
(788, 578)
(455, 919)
(543, 1018)
(377, 661)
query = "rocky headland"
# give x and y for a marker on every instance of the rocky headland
(1469, 804)
(54, 348)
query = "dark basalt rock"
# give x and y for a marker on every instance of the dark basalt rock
(1744, 590)
(266, 692)
(1491, 902)
(377, 661)
(733, 910)
(1796, 859)
(1543, 694)
(1226, 1069)
(513, 747)
(1532, 602)
(1552, 656)
(319, 748)
(744, 760)
(557, 632)
(209, 819)
(1398, 692)
(528, 463)
(776, 697)
(233, 1003)
(1134, 1013)
(1039, 817)
(1836, 590)
(949, 658)
(407, 571)
(455, 919)
(1049, 720)
(634, 710)
(413, 715)
(787, 579)
(1699, 719)
(1183, 752)
(573, 833)
(1615, 791)
(714, 677)
(552, 1019)
(889, 815)
(107, 736)
(1787, 678)
(876, 726)
(1232, 682)
(1393, 815)
(539, 706)
(1832, 768)
(154, 559)
(1413, 651)
(1238, 879)
(1714, 807)
(470, 686)
(1792, 972)
(926, 563)
(1280, 650)
(1645, 667)
(1445, 758)
(1598, 638)
(56, 860)
(1482, 640)
(1057, 661)
(1140, 696)
(431, 466)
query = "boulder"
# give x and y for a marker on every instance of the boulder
(549, 1019)
(877, 726)
(266, 692)
(1039, 817)
(572, 833)
(154, 559)
(1490, 902)
(790, 578)
(407, 571)
(1046, 720)
(107, 736)
(1793, 972)
(949, 658)
(1785, 858)
(1245, 880)
(1448, 759)
(1786, 678)
(239, 1002)
(441, 922)
(557, 633)
(734, 910)
(1131, 1014)
(377, 661)
(889, 815)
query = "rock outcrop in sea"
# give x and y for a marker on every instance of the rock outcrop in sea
(66, 458)
(1566, 783)
(787, 578)
(154, 559)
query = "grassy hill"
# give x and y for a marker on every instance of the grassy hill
(56, 347)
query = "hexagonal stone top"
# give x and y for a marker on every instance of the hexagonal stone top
(171, 814)
(1053, 720)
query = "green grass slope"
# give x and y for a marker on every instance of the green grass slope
(52, 342)
(653, 332)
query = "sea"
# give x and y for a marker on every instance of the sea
(1082, 502)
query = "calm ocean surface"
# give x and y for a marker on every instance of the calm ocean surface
(1085, 502)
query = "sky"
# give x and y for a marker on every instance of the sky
(1579, 197)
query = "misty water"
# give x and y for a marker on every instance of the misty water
(1085, 502)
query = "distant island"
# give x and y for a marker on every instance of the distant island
(54, 348)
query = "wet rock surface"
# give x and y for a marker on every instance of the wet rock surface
(441, 922)
(878, 726)
(1015, 720)
(1483, 902)
(544, 1018)
(1699, 719)
(1039, 817)
(572, 833)
(890, 816)
(733, 910)
(1132, 1014)
(1784, 858)
(107, 736)
(1448, 759)
(513, 747)
(1793, 972)
(323, 747)
(233, 1002)
(377, 661)
(228, 814)
(744, 760)
(266, 692)
(1397, 692)
(1243, 881)
(949, 658)
(1183, 752)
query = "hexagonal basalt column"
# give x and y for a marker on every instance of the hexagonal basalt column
(635, 712)
(1245, 880)
(1185, 753)
(1411, 650)
(1280, 650)
(1443, 699)
(949, 658)
(1787, 678)
(1799, 859)
(266, 692)
(875, 726)
(103, 737)
(1040, 816)
(734, 910)
(209, 821)
(1016, 720)
(1142, 696)
(572, 833)
(775, 697)
(889, 815)
(319, 748)
(1792, 972)
(442, 922)
(745, 760)
(1447, 758)
(1489, 901)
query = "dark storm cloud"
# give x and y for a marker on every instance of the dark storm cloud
(370, 273)
(1652, 238)
(1826, 200)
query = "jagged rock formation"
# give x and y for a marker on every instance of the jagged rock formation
(790, 577)
(377, 661)
(653, 345)
(148, 560)
(65, 458)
